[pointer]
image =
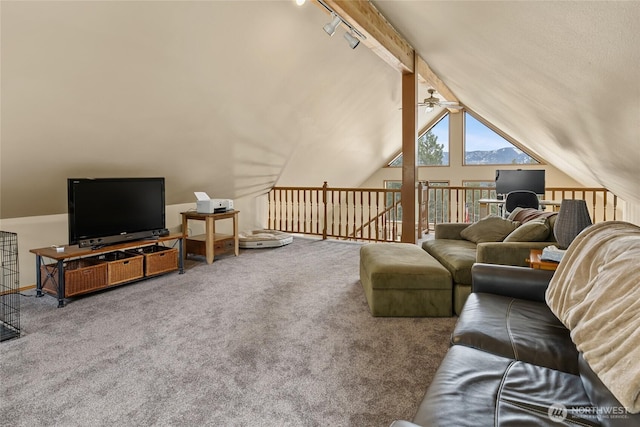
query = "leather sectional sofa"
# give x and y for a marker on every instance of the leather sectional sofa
(513, 362)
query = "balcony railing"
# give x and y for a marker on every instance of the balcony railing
(375, 214)
(462, 204)
(370, 214)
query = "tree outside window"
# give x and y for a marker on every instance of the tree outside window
(433, 146)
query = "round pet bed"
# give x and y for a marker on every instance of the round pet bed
(263, 239)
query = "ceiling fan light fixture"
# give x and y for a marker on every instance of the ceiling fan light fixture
(431, 102)
(330, 28)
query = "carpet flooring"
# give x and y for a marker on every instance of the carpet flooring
(274, 337)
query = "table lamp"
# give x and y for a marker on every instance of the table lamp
(572, 219)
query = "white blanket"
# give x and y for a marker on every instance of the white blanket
(596, 294)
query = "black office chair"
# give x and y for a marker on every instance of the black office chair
(521, 199)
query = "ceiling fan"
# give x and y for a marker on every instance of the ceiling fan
(431, 102)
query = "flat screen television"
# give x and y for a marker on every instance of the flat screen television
(508, 180)
(105, 211)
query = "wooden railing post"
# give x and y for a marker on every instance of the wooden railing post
(420, 209)
(269, 195)
(324, 219)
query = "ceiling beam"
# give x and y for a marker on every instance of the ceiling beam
(386, 42)
(434, 81)
(382, 38)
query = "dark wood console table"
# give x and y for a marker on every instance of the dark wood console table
(70, 252)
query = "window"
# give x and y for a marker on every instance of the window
(433, 146)
(484, 146)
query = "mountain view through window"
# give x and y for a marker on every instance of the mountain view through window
(483, 146)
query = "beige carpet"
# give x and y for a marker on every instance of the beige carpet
(274, 337)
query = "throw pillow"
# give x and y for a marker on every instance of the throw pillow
(515, 212)
(489, 229)
(523, 215)
(536, 230)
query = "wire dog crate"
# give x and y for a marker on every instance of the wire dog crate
(9, 284)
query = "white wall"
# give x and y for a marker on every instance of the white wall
(631, 213)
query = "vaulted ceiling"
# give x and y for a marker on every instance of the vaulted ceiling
(234, 97)
(561, 77)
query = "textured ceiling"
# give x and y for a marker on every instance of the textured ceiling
(233, 97)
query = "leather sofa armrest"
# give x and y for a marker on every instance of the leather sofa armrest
(512, 281)
(450, 230)
(402, 423)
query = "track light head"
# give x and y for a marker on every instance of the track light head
(352, 40)
(330, 28)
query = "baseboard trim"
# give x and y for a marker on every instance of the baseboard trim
(24, 288)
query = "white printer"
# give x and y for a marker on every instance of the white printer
(205, 204)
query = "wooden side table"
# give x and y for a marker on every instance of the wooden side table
(210, 243)
(535, 261)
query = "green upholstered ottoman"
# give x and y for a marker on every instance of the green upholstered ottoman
(402, 280)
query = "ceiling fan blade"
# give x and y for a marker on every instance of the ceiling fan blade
(450, 104)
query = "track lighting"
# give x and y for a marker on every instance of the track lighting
(330, 28)
(352, 40)
(353, 37)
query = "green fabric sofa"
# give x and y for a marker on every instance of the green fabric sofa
(458, 255)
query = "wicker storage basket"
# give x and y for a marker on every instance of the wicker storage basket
(157, 259)
(122, 266)
(80, 276)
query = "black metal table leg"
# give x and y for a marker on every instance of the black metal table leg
(38, 276)
(180, 256)
(60, 283)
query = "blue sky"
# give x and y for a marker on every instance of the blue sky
(479, 137)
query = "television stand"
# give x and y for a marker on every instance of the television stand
(55, 277)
